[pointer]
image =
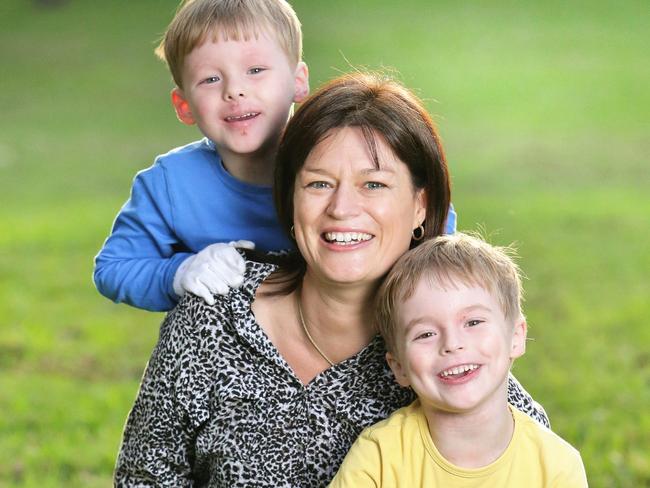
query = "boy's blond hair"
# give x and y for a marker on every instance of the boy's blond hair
(195, 20)
(445, 261)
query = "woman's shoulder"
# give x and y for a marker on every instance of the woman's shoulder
(256, 274)
(194, 320)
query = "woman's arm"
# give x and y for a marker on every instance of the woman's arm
(157, 446)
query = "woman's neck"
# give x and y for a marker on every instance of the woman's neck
(339, 318)
(472, 440)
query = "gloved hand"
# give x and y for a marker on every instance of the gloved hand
(215, 269)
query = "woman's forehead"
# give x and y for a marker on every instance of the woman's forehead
(354, 144)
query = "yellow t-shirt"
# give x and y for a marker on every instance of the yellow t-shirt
(399, 452)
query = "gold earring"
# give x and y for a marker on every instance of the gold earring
(418, 233)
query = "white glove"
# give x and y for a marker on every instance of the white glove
(215, 269)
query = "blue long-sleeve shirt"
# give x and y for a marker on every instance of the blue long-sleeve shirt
(184, 202)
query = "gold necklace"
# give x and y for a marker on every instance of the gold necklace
(304, 327)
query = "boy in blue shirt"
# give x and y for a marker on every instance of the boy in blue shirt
(237, 69)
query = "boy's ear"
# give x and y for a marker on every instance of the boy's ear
(519, 338)
(182, 107)
(398, 370)
(301, 79)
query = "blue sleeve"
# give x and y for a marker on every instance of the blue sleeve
(450, 226)
(139, 259)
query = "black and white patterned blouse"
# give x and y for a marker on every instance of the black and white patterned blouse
(218, 406)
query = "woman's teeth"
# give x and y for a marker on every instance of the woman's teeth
(459, 370)
(347, 238)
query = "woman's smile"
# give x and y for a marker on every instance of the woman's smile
(346, 239)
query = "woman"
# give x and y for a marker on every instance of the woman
(270, 386)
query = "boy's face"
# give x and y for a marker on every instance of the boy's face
(239, 93)
(454, 347)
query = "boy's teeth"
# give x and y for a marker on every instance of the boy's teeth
(459, 369)
(241, 117)
(347, 237)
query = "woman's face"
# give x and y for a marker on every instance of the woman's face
(352, 221)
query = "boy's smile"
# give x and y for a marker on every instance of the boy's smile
(455, 347)
(239, 93)
(459, 374)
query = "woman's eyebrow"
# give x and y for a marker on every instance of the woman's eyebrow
(379, 170)
(323, 170)
(316, 169)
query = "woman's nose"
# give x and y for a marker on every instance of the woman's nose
(344, 202)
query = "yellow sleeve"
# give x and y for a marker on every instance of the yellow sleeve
(361, 467)
(573, 475)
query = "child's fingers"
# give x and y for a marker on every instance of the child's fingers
(227, 259)
(242, 244)
(200, 290)
(219, 280)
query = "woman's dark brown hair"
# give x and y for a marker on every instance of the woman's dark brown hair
(379, 106)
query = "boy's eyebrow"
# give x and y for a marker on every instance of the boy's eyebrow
(476, 306)
(409, 325)
(462, 311)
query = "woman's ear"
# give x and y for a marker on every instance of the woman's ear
(182, 107)
(301, 80)
(398, 370)
(420, 213)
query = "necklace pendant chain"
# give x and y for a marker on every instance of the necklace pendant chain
(304, 327)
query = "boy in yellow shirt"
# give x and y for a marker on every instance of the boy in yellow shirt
(450, 312)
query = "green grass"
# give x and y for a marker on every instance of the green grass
(543, 108)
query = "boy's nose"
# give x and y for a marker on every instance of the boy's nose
(233, 90)
(452, 343)
(448, 349)
(232, 96)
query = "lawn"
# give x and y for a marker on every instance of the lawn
(544, 111)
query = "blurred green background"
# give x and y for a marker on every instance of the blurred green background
(544, 109)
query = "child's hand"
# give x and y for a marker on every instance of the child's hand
(215, 269)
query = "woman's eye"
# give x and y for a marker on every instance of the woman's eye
(374, 185)
(318, 184)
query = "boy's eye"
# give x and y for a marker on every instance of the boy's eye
(474, 323)
(374, 185)
(255, 71)
(425, 335)
(211, 79)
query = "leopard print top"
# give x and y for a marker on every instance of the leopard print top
(218, 406)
